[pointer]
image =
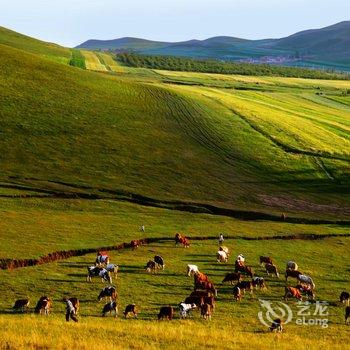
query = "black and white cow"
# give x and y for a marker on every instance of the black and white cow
(159, 261)
(96, 271)
(108, 292)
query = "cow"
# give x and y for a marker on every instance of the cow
(291, 265)
(200, 277)
(207, 297)
(245, 286)
(347, 314)
(21, 304)
(259, 281)
(102, 258)
(192, 270)
(292, 292)
(166, 312)
(159, 261)
(240, 258)
(207, 286)
(224, 249)
(242, 268)
(95, 271)
(195, 299)
(131, 308)
(237, 293)
(151, 266)
(272, 269)
(221, 256)
(109, 308)
(307, 290)
(76, 303)
(206, 311)
(344, 298)
(277, 325)
(134, 244)
(232, 277)
(178, 239)
(43, 305)
(292, 273)
(112, 268)
(110, 292)
(306, 280)
(186, 308)
(265, 260)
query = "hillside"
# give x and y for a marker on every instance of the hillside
(326, 47)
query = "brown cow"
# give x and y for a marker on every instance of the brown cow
(344, 298)
(43, 305)
(232, 277)
(265, 260)
(76, 303)
(307, 290)
(292, 292)
(131, 308)
(21, 304)
(109, 308)
(206, 311)
(242, 268)
(270, 268)
(198, 300)
(292, 273)
(166, 312)
(134, 244)
(207, 297)
(200, 277)
(208, 286)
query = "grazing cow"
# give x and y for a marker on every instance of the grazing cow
(291, 265)
(43, 305)
(224, 249)
(306, 280)
(207, 297)
(232, 277)
(72, 307)
(192, 270)
(344, 298)
(159, 261)
(347, 314)
(108, 292)
(259, 281)
(178, 238)
(166, 312)
(76, 304)
(200, 277)
(112, 268)
(21, 304)
(291, 292)
(186, 308)
(96, 271)
(134, 244)
(102, 258)
(195, 299)
(265, 260)
(292, 273)
(131, 308)
(307, 290)
(242, 268)
(109, 308)
(237, 293)
(151, 266)
(245, 286)
(207, 286)
(221, 256)
(206, 311)
(276, 325)
(272, 269)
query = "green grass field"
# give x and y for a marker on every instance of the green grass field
(88, 155)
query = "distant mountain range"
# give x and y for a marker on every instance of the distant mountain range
(327, 47)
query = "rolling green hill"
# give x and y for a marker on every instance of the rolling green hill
(146, 134)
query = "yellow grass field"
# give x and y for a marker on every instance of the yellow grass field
(92, 62)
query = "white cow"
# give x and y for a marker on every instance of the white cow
(225, 249)
(112, 268)
(240, 258)
(221, 256)
(291, 265)
(306, 280)
(185, 309)
(192, 270)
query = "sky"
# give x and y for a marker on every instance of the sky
(71, 22)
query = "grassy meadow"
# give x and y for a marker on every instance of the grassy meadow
(83, 139)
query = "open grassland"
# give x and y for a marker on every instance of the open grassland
(244, 144)
(47, 225)
(232, 322)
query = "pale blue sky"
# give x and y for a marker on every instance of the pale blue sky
(70, 22)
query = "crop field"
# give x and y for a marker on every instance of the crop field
(110, 63)
(92, 62)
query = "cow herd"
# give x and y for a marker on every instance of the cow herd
(203, 297)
